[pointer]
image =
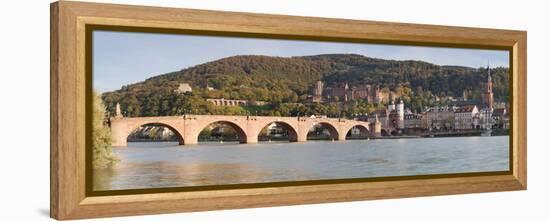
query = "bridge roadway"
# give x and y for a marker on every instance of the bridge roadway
(188, 127)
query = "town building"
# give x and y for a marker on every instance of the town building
(464, 117)
(440, 117)
(413, 120)
(485, 119)
(501, 119)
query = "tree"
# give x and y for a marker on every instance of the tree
(101, 134)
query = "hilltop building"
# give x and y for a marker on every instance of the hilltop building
(318, 92)
(231, 102)
(364, 92)
(340, 91)
(184, 88)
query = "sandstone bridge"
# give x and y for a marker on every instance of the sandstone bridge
(188, 127)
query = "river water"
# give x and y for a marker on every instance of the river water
(165, 164)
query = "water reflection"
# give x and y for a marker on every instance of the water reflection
(155, 165)
(163, 174)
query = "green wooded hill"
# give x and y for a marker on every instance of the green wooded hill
(285, 82)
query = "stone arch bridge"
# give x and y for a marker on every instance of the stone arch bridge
(188, 127)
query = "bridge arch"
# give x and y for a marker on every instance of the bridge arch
(363, 131)
(333, 132)
(395, 133)
(177, 133)
(386, 132)
(292, 132)
(121, 128)
(240, 132)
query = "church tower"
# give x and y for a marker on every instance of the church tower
(487, 95)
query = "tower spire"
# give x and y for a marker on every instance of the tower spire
(488, 72)
(488, 95)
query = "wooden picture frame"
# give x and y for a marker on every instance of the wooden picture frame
(69, 198)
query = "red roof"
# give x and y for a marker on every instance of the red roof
(499, 112)
(465, 109)
(382, 112)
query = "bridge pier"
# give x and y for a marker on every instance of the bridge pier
(252, 139)
(302, 137)
(189, 140)
(119, 133)
(119, 143)
(342, 136)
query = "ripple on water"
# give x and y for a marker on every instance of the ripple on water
(433, 160)
(377, 160)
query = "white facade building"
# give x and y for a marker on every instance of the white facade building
(400, 107)
(485, 119)
(440, 117)
(465, 116)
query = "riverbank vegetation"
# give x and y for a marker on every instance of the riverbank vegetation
(101, 136)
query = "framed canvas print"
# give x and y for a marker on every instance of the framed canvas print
(161, 110)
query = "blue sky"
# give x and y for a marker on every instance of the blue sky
(122, 58)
